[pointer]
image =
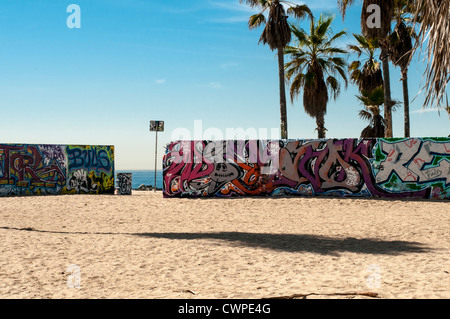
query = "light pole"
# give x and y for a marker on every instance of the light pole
(156, 126)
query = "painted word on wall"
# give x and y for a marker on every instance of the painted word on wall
(391, 168)
(27, 169)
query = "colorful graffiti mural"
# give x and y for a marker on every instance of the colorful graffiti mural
(27, 169)
(392, 168)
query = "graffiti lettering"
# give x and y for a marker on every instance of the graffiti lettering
(44, 169)
(93, 158)
(191, 166)
(411, 161)
(342, 167)
(24, 166)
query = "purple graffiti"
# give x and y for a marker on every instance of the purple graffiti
(338, 167)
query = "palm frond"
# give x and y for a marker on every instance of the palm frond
(400, 46)
(255, 3)
(300, 35)
(336, 37)
(355, 49)
(289, 73)
(396, 105)
(323, 26)
(338, 61)
(333, 86)
(354, 65)
(294, 67)
(256, 20)
(343, 5)
(333, 50)
(434, 19)
(365, 115)
(372, 98)
(277, 33)
(367, 76)
(365, 46)
(362, 40)
(343, 75)
(296, 86)
(300, 11)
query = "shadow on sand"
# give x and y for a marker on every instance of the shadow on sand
(295, 243)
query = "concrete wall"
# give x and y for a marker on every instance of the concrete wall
(27, 169)
(390, 168)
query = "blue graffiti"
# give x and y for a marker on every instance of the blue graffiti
(88, 158)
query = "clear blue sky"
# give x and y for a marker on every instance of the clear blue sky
(133, 61)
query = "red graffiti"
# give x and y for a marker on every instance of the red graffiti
(255, 168)
(23, 167)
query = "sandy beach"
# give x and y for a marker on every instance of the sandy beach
(144, 246)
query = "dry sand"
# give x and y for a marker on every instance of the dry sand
(144, 246)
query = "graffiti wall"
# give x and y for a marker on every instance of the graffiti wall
(391, 168)
(27, 169)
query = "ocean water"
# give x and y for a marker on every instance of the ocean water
(144, 177)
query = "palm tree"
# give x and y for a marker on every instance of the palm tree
(315, 63)
(386, 11)
(371, 112)
(277, 35)
(434, 19)
(400, 51)
(366, 74)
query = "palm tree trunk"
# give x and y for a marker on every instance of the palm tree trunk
(387, 93)
(406, 100)
(320, 121)
(283, 112)
(378, 126)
